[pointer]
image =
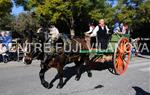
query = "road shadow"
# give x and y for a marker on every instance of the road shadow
(70, 72)
(140, 91)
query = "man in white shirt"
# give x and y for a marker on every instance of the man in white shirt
(101, 31)
(54, 33)
(91, 41)
(91, 28)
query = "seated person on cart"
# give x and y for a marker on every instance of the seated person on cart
(101, 31)
(121, 28)
(91, 41)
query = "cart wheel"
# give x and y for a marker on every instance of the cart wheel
(122, 56)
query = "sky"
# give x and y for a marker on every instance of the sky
(16, 9)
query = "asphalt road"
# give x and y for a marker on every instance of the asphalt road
(19, 79)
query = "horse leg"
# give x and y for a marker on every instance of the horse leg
(42, 74)
(88, 67)
(60, 74)
(78, 74)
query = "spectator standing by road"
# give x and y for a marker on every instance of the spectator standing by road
(5, 45)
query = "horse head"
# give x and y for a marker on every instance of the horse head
(31, 42)
(34, 43)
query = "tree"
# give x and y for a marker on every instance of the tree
(5, 6)
(72, 12)
(5, 22)
(5, 16)
(133, 11)
(25, 21)
(77, 13)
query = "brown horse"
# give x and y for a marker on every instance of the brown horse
(58, 59)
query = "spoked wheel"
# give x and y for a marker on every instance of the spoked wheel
(122, 56)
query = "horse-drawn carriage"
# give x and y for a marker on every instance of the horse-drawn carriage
(118, 53)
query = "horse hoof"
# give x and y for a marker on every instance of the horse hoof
(50, 86)
(46, 85)
(59, 86)
(77, 78)
(89, 74)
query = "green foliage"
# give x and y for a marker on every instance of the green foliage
(5, 7)
(5, 17)
(133, 11)
(68, 10)
(54, 9)
(144, 12)
(5, 22)
(76, 12)
(25, 21)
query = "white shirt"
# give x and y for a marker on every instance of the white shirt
(39, 30)
(124, 30)
(91, 29)
(54, 32)
(94, 33)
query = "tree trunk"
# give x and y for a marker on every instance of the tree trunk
(72, 31)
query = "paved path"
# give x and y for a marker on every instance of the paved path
(19, 79)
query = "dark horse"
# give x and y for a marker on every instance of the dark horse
(57, 59)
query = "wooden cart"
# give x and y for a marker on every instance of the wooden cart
(118, 53)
